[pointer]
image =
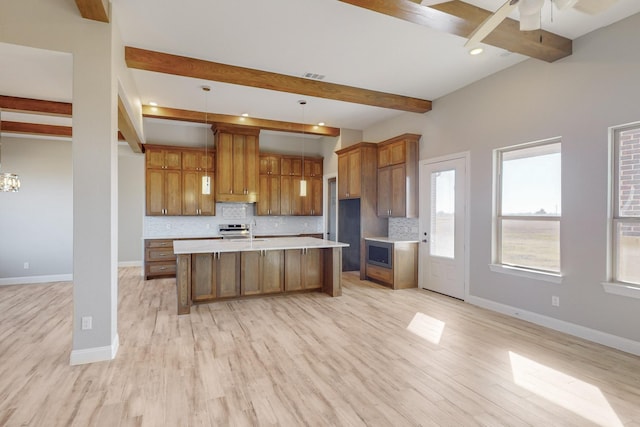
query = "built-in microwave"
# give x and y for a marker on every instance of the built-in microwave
(379, 253)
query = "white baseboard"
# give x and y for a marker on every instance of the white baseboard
(95, 354)
(36, 279)
(130, 264)
(614, 341)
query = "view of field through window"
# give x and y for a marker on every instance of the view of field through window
(530, 207)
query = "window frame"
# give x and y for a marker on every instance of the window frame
(498, 265)
(614, 284)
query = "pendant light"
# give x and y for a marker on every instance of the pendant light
(9, 182)
(303, 182)
(206, 179)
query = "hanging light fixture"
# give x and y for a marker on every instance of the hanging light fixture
(303, 182)
(206, 179)
(9, 182)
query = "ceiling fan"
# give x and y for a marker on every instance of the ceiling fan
(529, 11)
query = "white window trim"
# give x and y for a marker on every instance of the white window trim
(528, 273)
(495, 266)
(611, 286)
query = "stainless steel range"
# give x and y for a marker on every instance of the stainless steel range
(234, 231)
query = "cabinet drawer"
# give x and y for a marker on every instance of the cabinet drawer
(379, 273)
(161, 269)
(159, 254)
(159, 243)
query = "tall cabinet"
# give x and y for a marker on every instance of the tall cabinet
(357, 206)
(398, 177)
(237, 163)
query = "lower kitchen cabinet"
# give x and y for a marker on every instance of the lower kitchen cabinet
(215, 275)
(303, 269)
(262, 272)
(159, 259)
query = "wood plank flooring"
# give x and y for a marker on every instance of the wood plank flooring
(372, 357)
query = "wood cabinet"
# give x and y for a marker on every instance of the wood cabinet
(404, 267)
(290, 201)
(237, 163)
(270, 195)
(163, 192)
(262, 272)
(174, 181)
(398, 177)
(158, 157)
(215, 275)
(193, 201)
(291, 166)
(312, 203)
(313, 167)
(303, 269)
(350, 172)
(159, 259)
(270, 164)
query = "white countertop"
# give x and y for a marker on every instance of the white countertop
(390, 240)
(258, 244)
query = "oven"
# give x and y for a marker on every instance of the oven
(234, 231)
(379, 253)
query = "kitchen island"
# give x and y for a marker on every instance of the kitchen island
(214, 270)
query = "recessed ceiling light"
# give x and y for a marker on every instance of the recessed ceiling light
(153, 104)
(321, 124)
(245, 114)
(476, 51)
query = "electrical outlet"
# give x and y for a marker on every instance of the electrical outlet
(555, 301)
(87, 323)
(26, 265)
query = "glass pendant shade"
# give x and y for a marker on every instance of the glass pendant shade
(303, 188)
(206, 185)
(9, 182)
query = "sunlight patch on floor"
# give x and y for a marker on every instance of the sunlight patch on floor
(579, 397)
(426, 327)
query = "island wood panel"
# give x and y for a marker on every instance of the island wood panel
(204, 277)
(262, 272)
(228, 274)
(183, 283)
(303, 269)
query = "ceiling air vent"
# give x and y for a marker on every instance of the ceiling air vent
(313, 76)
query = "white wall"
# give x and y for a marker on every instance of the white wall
(36, 223)
(131, 188)
(576, 98)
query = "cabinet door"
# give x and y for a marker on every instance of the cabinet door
(207, 202)
(293, 270)
(384, 192)
(173, 192)
(155, 192)
(317, 190)
(190, 161)
(263, 205)
(250, 273)
(173, 159)
(203, 277)
(154, 158)
(292, 166)
(286, 195)
(238, 162)
(398, 195)
(312, 268)
(224, 164)
(272, 271)
(354, 174)
(191, 183)
(228, 274)
(343, 176)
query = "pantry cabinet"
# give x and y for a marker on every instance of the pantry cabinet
(398, 177)
(237, 163)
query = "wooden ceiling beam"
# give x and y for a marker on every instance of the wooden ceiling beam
(197, 68)
(460, 18)
(199, 117)
(36, 129)
(96, 10)
(127, 129)
(35, 106)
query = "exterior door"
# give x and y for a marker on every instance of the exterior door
(443, 226)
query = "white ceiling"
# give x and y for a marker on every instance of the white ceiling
(349, 45)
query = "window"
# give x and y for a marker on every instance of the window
(528, 206)
(625, 226)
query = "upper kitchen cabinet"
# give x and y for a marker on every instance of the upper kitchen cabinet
(237, 163)
(397, 177)
(356, 170)
(158, 157)
(163, 192)
(270, 164)
(291, 165)
(197, 160)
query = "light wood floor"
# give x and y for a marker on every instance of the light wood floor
(372, 357)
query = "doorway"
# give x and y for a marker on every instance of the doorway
(443, 225)
(332, 209)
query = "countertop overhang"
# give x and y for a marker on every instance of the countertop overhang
(257, 244)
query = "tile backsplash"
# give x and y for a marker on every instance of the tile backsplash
(404, 228)
(207, 226)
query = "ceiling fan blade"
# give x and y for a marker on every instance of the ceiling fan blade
(593, 7)
(530, 14)
(490, 24)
